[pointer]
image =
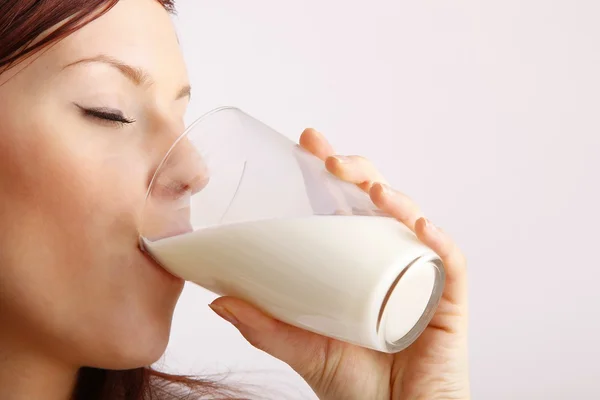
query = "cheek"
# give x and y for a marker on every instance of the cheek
(66, 185)
(68, 251)
(71, 196)
(72, 211)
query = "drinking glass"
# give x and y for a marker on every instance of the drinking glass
(242, 210)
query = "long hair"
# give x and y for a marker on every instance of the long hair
(26, 28)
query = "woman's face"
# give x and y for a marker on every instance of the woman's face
(83, 126)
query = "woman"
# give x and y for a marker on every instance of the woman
(91, 93)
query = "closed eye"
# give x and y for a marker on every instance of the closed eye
(109, 115)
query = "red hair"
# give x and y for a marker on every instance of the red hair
(22, 25)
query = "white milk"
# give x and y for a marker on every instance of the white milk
(328, 274)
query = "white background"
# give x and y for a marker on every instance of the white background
(486, 112)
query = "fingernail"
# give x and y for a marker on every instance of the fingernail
(386, 189)
(342, 159)
(430, 226)
(224, 313)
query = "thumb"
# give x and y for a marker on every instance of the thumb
(302, 350)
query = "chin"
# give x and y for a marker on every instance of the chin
(144, 358)
(133, 330)
(132, 352)
(128, 343)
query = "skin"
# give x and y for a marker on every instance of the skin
(75, 290)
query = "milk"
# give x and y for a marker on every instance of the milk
(329, 274)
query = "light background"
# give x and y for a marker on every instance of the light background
(485, 112)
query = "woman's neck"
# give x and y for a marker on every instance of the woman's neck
(26, 375)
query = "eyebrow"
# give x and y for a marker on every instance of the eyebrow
(137, 75)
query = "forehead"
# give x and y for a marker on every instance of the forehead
(137, 32)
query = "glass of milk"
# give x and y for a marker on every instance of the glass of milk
(242, 210)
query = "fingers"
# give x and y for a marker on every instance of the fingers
(360, 171)
(354, 169)
(454, 260)
(396, 204)
(315, 143)
(302, 350)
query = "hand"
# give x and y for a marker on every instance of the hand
(434, 367)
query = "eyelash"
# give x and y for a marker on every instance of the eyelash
(107, 115)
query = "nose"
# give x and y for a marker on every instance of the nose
(181, 174)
